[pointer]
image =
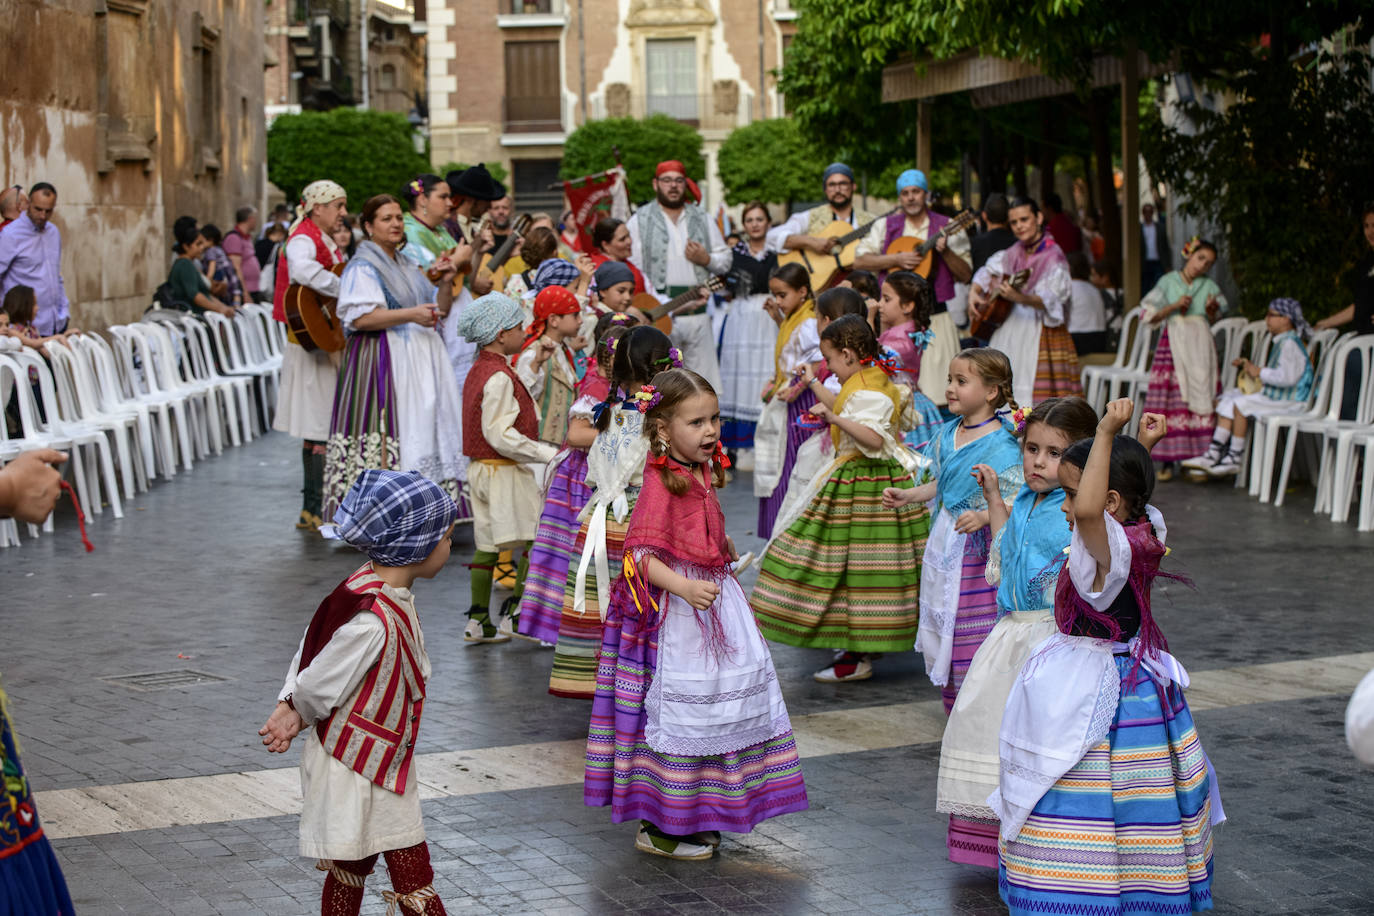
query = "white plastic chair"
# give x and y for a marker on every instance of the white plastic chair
(234, 390)
(1366, 517)
(229, 339)
(167, 360)
(1345, 443)
(61, 432)
(79, 403)
(1268, 428)
(136, 354)
(98, 362)
(1250, 340)
(1094, 377)
(1330, 424)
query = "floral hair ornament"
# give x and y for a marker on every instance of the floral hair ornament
(647, 398)
(416, 187)
(719, 456)
(1018, 419)
(673, 360)
(1193, 244)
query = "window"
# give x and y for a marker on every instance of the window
(671, 80)
(387, 79)
(533, 101)
(530, 180)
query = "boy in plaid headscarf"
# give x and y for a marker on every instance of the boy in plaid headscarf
(358, 682)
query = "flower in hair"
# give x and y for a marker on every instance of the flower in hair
(1018, 419)
(1191, 245)
(416, 187)
(673, 360)
(647, 398)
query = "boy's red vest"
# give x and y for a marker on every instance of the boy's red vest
(283, 279)
(487, 364)
(373, 731)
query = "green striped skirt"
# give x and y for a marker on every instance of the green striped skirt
(847, 573)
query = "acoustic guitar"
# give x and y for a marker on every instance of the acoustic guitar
(823, 267)
(998, 309)
(661, 314)
(463, 267)
(311, 317)
(926, 247)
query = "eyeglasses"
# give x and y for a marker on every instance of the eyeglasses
(838, 185)
(681, 181)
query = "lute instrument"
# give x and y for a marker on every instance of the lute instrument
(995, 315)
(823, 267)
(926, 247)
(311, 316)
(495, 262)
(660, 315)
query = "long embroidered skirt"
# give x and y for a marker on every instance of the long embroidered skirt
(847, 573)
(363, 432)
(770, 506)
(31, 881)
(579, 636)
(1189, 434)
(976, 616)
(1056, 368)
(680, 794)
(1128, 829)
(552, 551)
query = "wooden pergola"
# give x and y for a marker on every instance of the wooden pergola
(994, 81)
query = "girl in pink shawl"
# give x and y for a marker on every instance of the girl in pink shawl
(904, 307)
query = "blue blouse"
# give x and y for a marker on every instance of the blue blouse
(1031, 548)
(957, 490)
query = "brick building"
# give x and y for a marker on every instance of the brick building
(138, 111)
(509, 79)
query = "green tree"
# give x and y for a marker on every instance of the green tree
(643, 144)
(770, 161)
(368, 152)
(497, 170)
(1283, 170)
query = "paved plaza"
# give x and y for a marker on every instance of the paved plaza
(161, 799)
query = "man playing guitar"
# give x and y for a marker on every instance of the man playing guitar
(800, 230)
(951, 266)
(473, 192)
(306, 399)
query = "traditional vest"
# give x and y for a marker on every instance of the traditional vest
(373, 731)
(557, 398)
(323, 255)
(1303, 388)
(653, 234)
(817, 218)
(487, 364)
(940, 278)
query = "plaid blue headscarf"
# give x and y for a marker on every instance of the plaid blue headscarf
(484, 319)
(555, 272)
(1292, 310)
(395, 517)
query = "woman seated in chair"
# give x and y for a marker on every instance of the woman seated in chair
(186, 284)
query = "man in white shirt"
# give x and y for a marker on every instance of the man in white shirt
(802, 229)
(677, 246)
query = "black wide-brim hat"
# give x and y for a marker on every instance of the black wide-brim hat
(475, 182)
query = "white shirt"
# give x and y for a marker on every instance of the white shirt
(1151, 241)
(1086, 313)
(534, 377)
(1292, 364)
(680, 271)
(1054, 289)
(798, 224)
(499, 413)
(303, 269)
(957, 242)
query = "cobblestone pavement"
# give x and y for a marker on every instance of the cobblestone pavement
(205, 573)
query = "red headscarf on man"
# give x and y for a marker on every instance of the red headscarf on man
(675, 165)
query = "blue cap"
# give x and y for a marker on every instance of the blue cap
(838, 168)
(912, 177)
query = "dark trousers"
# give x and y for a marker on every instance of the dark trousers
(1150, 272)
(1350, 405)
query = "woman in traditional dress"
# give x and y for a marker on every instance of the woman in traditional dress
(1183, 376)
(397, 406)
(747, 336)
(1035, 336)
(612, 238)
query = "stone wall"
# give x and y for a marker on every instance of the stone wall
(138, 111)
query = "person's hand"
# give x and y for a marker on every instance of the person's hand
(987, 479)
(1153, 427)
(1182, 303)
(821, 412)
(584, 265)
(971, 521)
(1117, 415)
(808, 373)
(1244, 365)
(730, 550)
(426, 316)
(461, 253)
(445, 267)
(872, 306)
(697, 253)
(908, 260)
(898, 496)
(638, 314)
(576, 343)
(1213, 307)
(766, 394)
(700, 593)
(485, 238)
(819, 244)
(941, 243)
(770, 305)
(543, 351)
(1011, 293)
(29, 485)
(283, 725)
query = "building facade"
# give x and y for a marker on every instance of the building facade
(369, 53)
(509, 79)
(138, 111)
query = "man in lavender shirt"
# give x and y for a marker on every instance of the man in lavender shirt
(31, 255)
